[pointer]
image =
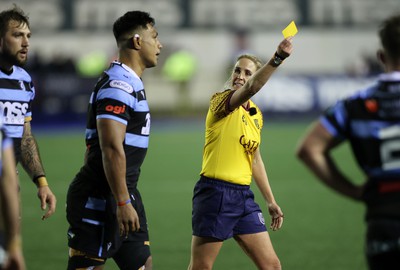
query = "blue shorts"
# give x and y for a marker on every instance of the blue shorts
(222, 210)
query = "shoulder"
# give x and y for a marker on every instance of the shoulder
(363, 94)
(221, 97)
(122, 79)
(358, 96)
(21, 74)
(219, 103)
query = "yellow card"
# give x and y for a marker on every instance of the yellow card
(290, 30)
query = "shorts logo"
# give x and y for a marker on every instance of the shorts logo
(261, 218)
(122, 85)
(70, 235)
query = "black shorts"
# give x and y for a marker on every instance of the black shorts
(93, 225)
(131, 255)
(383, 244)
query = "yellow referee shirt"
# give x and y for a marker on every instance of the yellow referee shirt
(231, 139)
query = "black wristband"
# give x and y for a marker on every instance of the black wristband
(277, 60)
(279, 56)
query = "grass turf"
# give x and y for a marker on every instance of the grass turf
(322, 230)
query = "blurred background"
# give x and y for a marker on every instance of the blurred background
(334, 52)
(334, 55)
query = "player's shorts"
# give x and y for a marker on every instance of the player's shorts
(3, 254)
(383, 244)
(222, 210)
(94, 227)
(131, 255)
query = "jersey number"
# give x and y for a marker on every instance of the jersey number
(390, 148)
(146, 128)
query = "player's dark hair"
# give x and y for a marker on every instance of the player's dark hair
(131, 21)
(389, 34)
(13, 14)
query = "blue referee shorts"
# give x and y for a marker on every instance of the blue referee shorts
(222, 210)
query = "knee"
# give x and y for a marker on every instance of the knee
(270, 264)
(275, 264)
(200, 266)
(149, 264)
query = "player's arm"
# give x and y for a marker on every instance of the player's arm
(111, 137)
(315, 152)
(11, 210)
(260, 78)
(32, 164)
(261, 179)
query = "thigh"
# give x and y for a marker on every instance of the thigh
(384, 261)
(258, 247)
(143, 234)
(204, 252)
(133, 255)
(383, 238)
(80, 260)
(134, 252)
(88, 229)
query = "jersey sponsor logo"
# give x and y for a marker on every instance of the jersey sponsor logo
(250, 146)
(122, 85)
(13, 112)
(115, 109)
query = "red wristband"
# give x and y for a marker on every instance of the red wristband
(124, 202)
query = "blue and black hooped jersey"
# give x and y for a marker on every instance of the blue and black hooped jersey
(16, 95)
(119, 95)
(370, 120)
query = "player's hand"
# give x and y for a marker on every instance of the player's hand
(285, 48)
(15, 262)
(47, 198)
(15, 259)
(128, 219)
(276, 215)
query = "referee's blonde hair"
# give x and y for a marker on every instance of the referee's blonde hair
(251, 57)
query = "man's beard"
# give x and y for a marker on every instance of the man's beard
(12, 59)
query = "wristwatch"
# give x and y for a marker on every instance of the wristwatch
(278, 59)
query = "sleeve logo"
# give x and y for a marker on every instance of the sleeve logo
(122, 85)
(22, 85)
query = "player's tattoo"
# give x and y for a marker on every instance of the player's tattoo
(30, 158)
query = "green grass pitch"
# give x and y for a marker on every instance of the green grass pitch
(322, 230)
